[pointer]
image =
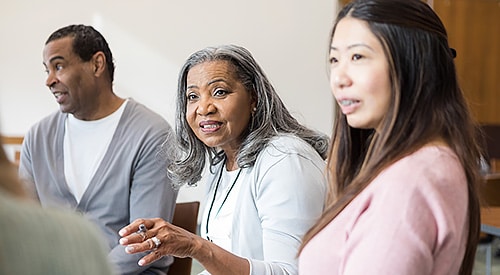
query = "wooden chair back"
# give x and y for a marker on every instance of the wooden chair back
(12, 146)
(185, 216)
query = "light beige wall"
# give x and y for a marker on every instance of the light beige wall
(150, 39)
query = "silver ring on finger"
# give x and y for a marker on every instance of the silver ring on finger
(142, 231)
(156, 242)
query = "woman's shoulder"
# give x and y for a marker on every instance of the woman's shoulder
(432, 157)
(22, 213)
(288, 147)
(428, 167)
(289, 144)
(432, 176)
(69, 236)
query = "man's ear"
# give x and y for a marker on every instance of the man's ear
(99, 63)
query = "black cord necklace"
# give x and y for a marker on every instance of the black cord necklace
(215, 194)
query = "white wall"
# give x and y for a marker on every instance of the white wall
(150, 39)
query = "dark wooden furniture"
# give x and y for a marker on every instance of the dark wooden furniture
(185, 216)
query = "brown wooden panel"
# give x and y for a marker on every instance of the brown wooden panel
(490, 216)
(474, 31)
(11, 140)
(492, 140)
(489, 191)
(343, 2)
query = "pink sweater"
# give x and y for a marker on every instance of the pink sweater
(412, 219)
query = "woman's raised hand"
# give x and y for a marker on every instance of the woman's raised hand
(158, 236)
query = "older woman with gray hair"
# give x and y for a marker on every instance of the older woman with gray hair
(265, 180)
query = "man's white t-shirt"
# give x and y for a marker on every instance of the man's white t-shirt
(85, 144)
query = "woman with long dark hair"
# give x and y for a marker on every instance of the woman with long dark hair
(404, 161)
